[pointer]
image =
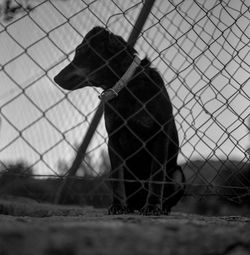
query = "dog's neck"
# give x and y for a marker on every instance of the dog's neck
(114, 91)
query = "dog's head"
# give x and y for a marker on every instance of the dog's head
(100, 60)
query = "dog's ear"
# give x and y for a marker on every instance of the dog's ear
(116, 44)
(96, 36)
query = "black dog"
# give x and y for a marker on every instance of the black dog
(143, 141)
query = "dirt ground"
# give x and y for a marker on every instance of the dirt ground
(32, 228)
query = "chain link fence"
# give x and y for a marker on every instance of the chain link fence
(201, 48)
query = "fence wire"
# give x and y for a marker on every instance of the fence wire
(201, 48)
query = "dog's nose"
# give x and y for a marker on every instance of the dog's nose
(57, 79)
(60, 80)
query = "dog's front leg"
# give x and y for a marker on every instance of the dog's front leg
(153, 204)
(118, 205)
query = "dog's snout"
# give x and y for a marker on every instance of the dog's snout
(60, 80)
(64, 77)
(72, 77)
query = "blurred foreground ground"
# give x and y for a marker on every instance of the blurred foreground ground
(27, 227)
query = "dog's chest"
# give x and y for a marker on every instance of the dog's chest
(134, 117)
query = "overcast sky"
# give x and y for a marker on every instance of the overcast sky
(201, 49)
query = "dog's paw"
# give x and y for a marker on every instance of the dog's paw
(166, 211)
(150, 210)
(130, 209)
(115, 209)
